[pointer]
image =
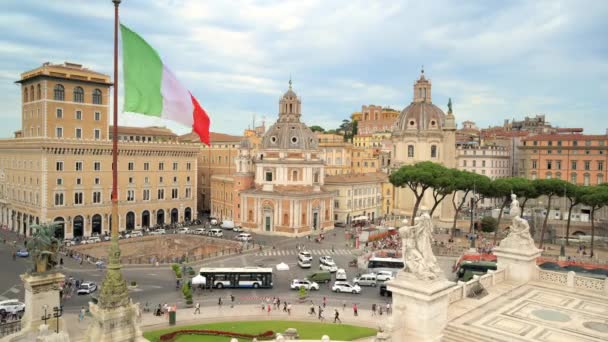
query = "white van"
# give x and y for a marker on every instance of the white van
(341, 274)
(215, 232)
(227, 225)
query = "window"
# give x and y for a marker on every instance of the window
(130, 195)
(59, 181)
(78, 181)
(161, 194)
(464, 163)
(146, 195)
(549, 164)
(59, 166)
(410, 151)
(97, 134)
(188, 166)
(59, 132)
(600, 179)
(268, 176)
(78, 166)
(78, 115)
(78, 198)
(558, 164)
(130, 180)
(336, 204)
(97, 116)
(97, 166)
(174, 166)
(96, 196)
(59, 113)
(534, 164)
(174, 179)
(59, 198)
(188, 192)
(600, 166)
(78, 133)
(174, 193)
(161, 166)
(587, 165)
(574, 143)
(586, 179)
(573, 165)
(58, 92)
(96, 180)
(146, 180)
(433, 151)
(131, 166)
(160, 179)
(483, 163)
(573, 177)
(78, 94)
(25, 97)
(96, 96)
(474, 163)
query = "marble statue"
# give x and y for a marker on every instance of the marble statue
(417, 252)
(519, 234)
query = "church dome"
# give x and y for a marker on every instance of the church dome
(421, 114)
(289, 133)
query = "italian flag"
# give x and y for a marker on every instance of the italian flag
(152, 89)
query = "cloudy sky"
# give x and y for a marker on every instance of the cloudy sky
(496, 59)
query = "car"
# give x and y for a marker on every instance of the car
(243, 237)
(365, 280)
(23, 253)
(184, 230)
(227, 225)
(94, 239)
(68, 242)
(237, 229)
(384, 275)
(343, 286)
(304, 263)
(199, 231)
(136, 233)
(11, 306)
(213, 221)
(384, 291)
(341, 274)
(159, 231)
(305, 256)
(330, 268)
(215, 232)
(326, 259)
(87, 288)
(296, 284)
(320, 277)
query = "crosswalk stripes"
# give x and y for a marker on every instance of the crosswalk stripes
(317, 252)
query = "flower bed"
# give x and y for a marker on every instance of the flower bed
(172, 336)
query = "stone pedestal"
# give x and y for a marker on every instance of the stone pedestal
(41, 289)
(520, 264)
(116, 324)
(420, 308)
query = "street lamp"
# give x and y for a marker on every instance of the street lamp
(57, 312)
(45, 317)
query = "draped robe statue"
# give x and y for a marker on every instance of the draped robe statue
(417, 251)
(519, 234)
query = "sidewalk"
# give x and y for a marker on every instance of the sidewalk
(77, 329)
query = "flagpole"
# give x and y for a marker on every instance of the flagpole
(114, 227)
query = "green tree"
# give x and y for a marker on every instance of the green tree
(549, 188)
(596, 197)
(463, 182)
(503, 188)
(489, 224)
(418, 178)
(317, 128)
(443, 185)
(574, 194)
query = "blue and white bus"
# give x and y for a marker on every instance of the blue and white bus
(385, 264)
(237, 277)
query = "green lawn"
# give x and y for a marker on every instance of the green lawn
(306, 330)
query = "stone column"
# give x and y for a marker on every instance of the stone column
(420, 308)
(520, 264)
(40, 289)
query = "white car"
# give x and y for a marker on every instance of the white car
(330, 268)
(159, 231)
(184, 230)
(305, 256)
(215, 232)
(341, 274)
(326, 259)
(200, 231)
(94, 239)
(384, 275)
(87, 288)
(136, 233)
(296, 284)
(237, 229)
(243, 237)
(304, 263)
(365, 280)
(343, 286)
(11, 306)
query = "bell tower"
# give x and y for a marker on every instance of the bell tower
(290, 106)
(422, 89)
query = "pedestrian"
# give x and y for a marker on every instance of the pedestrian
(231, 300)
(268, 309)
(219, 302)
(278, 303)
(355, 310)
(263, 306)
(337, 316)
(61, 262)
(284, 306)
(197, 308)
(380, 310)
(343, 305)
(324, 302)
(374, 309)
(312, 309)
(81, 315)
(14, 256)
(321, 318)
(388, 308)
(289, 309)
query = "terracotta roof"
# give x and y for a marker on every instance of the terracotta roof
(154, 130)
(357, 178)
(213, 137)
(566, 137)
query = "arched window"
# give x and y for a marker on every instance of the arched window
(39, 92)
(586, 179)
(32, 93)
(410, 151)
(96, 96)
(573, 178)
(433, 151)
(78, 94)
(58, 93)
(25, 94)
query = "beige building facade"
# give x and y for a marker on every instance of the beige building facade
(64, 174)
(336, 153)
(357, 195)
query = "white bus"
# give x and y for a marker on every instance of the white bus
(385, 264)
(241, 277)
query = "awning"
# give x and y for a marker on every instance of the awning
(199, 280)
(361, 218)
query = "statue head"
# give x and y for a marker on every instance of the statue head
(513, 197)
